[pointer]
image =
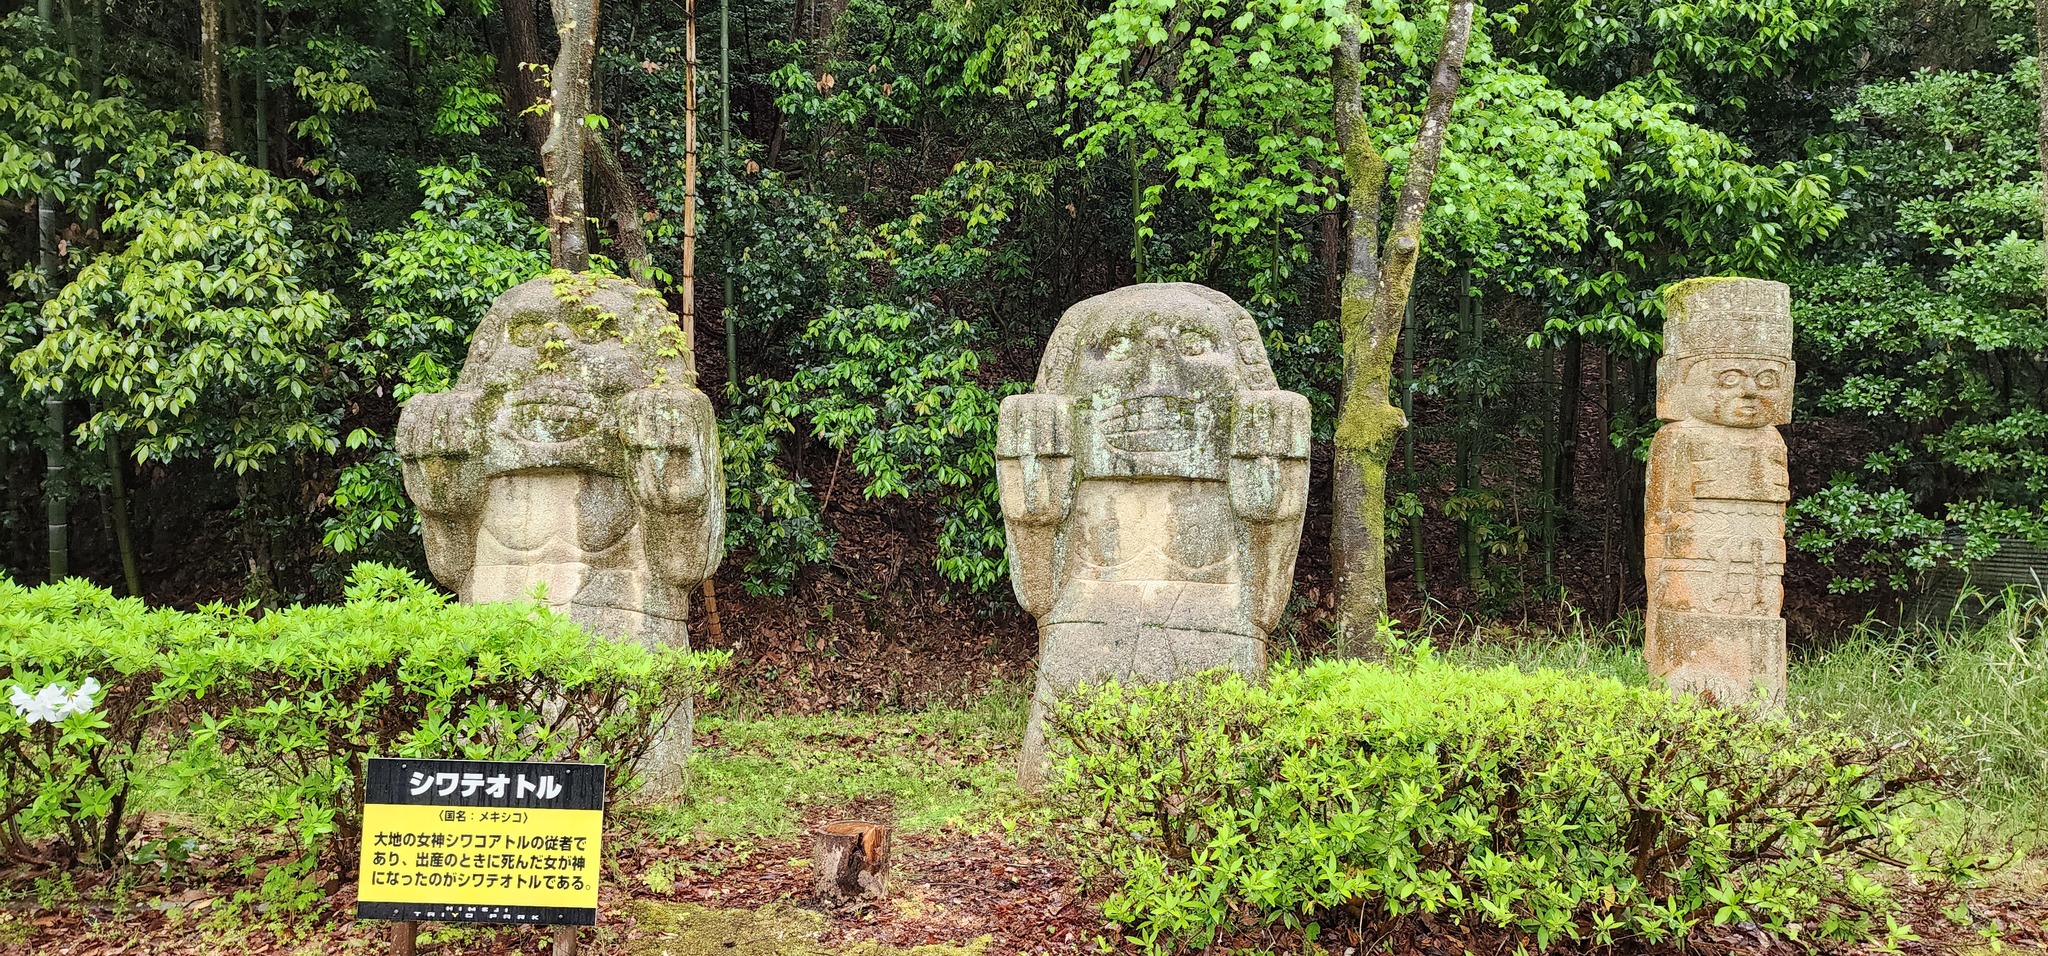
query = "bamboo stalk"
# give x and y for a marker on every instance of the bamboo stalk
(689, 277)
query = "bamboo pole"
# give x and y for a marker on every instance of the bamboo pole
(730, 309)
(690, 179)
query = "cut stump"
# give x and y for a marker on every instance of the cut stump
(851, 859)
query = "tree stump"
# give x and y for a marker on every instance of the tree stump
(851, 859)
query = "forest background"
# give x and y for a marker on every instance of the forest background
(239, 235)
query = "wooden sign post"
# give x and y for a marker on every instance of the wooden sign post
(478, 841)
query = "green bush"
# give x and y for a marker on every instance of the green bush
(1557, 807)
(296, 700)
(71, 778)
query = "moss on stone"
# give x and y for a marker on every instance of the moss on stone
(777, 929)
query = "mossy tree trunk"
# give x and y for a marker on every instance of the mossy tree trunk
(210, 80)
(561, 155)
(1374, 297)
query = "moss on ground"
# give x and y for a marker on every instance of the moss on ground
(778, 929)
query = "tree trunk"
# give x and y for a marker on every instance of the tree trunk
(1417, 556)
(1469, 423)
(561, 156)
(210, 90)
(1547, 499)
(521, 78)
(56, 508)
(255, 540)
(728, 305)
(622, 204)
(117, 505)
(1373, 301)
(262, 79)
(2041, 56)
(689, 276)
(850, 859)
(1570, 397)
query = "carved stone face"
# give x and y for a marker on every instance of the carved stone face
(1158, 384)
(561, 368)
(553, 361)
(1739, 391)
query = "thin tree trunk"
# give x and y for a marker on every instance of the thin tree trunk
(1468, 427)
(689, 276)
(561, 155)
(1416, 553)
(255, 540)
(1612, 479)
(1547, 500)
(1374, 299)
(210, 90)
(2041, 130)
(262, 92)
(1570, 397)
(56, 507)
(117, 505)
(728, 304)
(622, 203)
(1634, 485)
(521, 22)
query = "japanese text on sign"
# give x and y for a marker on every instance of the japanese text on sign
(478, 841)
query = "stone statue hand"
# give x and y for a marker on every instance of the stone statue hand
(1269, 456)
(1034, 457)
(440, 438)
(440, 425)
(669, 438)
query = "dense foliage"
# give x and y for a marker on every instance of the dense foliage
(291, 703)
(241, 281)
(1563, 809)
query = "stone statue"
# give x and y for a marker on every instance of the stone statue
(1714, 514)
(1153, 485)
(575, 452)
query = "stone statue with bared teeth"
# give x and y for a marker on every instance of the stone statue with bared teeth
(574, 453)
(1153, 486)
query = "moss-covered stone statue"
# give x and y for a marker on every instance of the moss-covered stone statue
(1714, 515)
(575, 452)
(1152, 485)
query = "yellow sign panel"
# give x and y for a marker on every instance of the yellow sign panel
(464, 855)
(426, 854)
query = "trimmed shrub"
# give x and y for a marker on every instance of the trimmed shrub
(67, 774)
(294, 702)
(1557, 807)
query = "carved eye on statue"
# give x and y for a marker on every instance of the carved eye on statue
(1115, 346)
(1732, 378)
(1193, 343)
(1768, 378)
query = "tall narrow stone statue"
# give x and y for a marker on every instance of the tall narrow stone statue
(575, 452)
(1153, 485)
(1714, 515)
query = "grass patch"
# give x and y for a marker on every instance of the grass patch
(760, 776)
(1980, 688)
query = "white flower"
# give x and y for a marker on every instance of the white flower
(53, 703)
(82, 701)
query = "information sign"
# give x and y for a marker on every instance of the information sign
(481, 841)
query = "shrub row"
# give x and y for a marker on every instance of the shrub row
(1558, 808)
(294, 701)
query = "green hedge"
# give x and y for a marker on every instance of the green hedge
(294, 701)
(1557, 807)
